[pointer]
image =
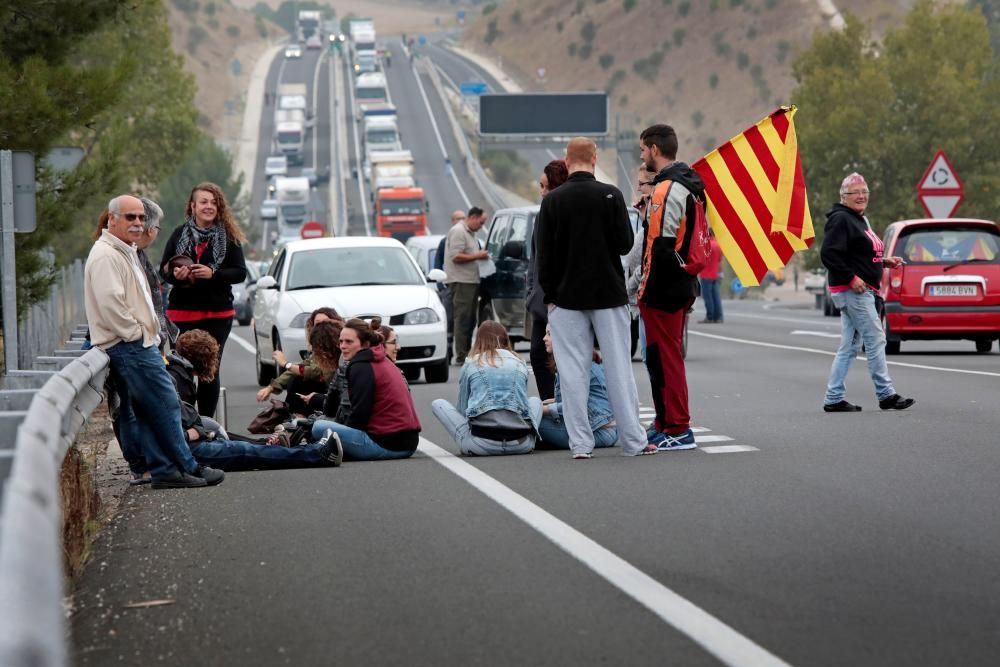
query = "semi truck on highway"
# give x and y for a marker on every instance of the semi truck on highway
(391, 169)
(289, 140)
(401, 212)
(292, 96)
(292, 194)
(308, 24)
(370, 89)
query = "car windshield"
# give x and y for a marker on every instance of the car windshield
(278, 163)
(381, 136)
(371, 93)
(949, 245)
(293, 211)
(344, 267)
(402, 207)
(287, 137)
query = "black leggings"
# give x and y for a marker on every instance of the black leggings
(208, 392)
(545, 379)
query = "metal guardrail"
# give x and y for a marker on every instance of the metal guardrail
(31, 580)
(49, 322)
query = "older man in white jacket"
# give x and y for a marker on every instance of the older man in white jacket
(124, 324)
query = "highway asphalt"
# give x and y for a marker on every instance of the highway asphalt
(791, 536)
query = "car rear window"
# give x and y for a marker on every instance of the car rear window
(944, 246)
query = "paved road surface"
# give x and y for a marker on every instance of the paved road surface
(864, 539)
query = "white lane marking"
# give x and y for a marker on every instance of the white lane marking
(336, 193)
(833, 321)
(795, 348)
(700, 429)
(712, 438)
(729, 449)
(244, 343)
(710, 633)
(821, 334)
(440, 141)
(358, 159)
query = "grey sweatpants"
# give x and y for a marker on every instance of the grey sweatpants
(573, 333)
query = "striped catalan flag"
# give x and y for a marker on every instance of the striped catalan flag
(756, 195)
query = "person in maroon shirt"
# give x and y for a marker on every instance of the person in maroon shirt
(711, 278)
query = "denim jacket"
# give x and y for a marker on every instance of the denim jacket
(598, 404)
(482, 388)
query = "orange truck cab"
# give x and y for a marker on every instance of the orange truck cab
(401, 212)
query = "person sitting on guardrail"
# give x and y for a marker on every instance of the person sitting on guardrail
(494, 415)
(197, 355)
(124, 324)
(552, 428)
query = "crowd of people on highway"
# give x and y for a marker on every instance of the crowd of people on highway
(348, 400)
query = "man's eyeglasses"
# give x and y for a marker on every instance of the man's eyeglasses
(132, 217)
(857, 193)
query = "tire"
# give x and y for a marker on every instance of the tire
(635, 336)
(436, 373)
(984, 345)
(265, 372)
(411, 373)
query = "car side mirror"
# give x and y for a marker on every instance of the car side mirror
(266, 282)
(437, 276)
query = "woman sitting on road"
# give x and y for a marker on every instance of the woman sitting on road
(495, 415)
(197, 355)
(301, 378)
(602, 418)
(381, 422)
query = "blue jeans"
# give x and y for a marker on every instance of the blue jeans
(859, 322)
(713, 299)
(150, 416)
(358, 446)
(231, 455)
(457, 426)
(554, 433)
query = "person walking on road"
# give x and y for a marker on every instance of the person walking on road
(202, 259)
(852, 255)
(462, 254)
(495, 415)
(554, 175)
(583, 230)
(666, 290)
(123, 322)
(710, 278)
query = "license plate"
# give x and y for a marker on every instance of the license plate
(953, 290)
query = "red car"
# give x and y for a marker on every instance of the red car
(949, 287)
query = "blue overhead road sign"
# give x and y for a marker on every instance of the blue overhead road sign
(473, 88)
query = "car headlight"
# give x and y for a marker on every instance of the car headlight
(299, 321)
(421, 316)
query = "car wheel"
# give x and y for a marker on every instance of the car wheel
(411, 373)
(265, 372)
(983, 345)
(635, 336)
(436, 373)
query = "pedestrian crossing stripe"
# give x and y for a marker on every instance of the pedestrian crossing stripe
(728, 449)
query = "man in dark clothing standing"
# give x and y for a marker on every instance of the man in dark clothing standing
(582, 232)
(666, 290)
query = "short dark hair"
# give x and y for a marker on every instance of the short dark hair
(475, 211)
(556, 172)
(663, 137)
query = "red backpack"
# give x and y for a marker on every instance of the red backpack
(694, 233)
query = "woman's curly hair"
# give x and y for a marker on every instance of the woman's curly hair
(324, 339)
(202, 350)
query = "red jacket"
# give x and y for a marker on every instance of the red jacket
(381, 404)
(711, 270)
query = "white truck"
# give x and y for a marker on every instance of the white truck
(364, 51)
(292, 194)
(308, 24)
(370, 89)
(292, 96)
(391, 169)
(381, 134)
(289, 139)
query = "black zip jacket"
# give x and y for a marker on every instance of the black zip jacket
(582, 232)
(667, 286)
(212, 295)
(850, 248)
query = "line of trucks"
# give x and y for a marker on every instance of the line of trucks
(400, 205)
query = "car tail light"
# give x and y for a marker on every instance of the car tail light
(896, 282)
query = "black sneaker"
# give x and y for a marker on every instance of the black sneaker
(179, 480)
(332, 448)
(842, 406)
(895, 402)
(210, 475)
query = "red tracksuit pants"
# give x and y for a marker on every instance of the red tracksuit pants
(665, 363)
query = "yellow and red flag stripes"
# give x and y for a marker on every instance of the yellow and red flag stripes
(757, 197)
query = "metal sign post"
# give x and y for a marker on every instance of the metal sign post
(8, 272)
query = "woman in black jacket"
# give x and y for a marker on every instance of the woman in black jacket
(202, 259)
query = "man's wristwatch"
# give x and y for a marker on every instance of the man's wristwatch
(288, 366)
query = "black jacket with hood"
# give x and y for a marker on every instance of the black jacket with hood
(850, 248)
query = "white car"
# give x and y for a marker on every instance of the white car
(424, 250)
(269, 209)
(360, 277)
(276, 165)
(293, 51)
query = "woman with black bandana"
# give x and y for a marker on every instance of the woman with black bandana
(202, 259)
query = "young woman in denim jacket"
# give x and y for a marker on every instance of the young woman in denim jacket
(602, 418)
(495, 416)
